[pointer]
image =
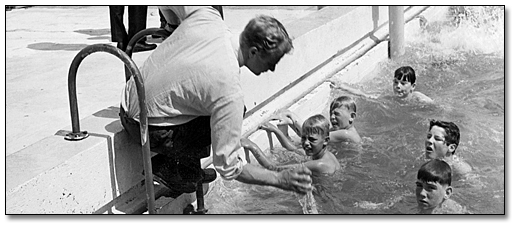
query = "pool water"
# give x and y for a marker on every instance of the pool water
(460, 65)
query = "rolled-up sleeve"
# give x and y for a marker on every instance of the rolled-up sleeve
(226, 131)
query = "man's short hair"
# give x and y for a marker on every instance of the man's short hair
(268, 35)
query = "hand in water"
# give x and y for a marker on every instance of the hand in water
(296, 179)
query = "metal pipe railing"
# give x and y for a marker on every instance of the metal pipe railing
(396, 28)
(143, 116)
(137, 37)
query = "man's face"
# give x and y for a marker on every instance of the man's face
(435, 144)
(403, 88)
(258, 64)
(430, 194)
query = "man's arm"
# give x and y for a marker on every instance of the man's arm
(226, 125)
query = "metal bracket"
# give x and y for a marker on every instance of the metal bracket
(76, 136)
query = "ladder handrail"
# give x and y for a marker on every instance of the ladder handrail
(143, 116)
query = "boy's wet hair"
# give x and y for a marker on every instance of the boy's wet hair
(451, 129)
(316, 124)
(405, 73)
(435, 171)
(268, 35)
(343, 101)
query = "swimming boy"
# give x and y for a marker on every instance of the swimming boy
(342, 115)
(403, 87)
(314, 138)
(433, 189)
(441, 142)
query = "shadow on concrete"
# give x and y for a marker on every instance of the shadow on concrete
(110, 112)
(51, 46)
(94, 32)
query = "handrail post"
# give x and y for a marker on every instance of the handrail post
(143, 116)
(396, 27)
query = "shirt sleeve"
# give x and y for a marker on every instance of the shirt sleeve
(226, 131)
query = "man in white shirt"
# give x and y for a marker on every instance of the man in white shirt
(194, 98)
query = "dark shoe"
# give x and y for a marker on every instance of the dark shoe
(166, 171)
(140, 47)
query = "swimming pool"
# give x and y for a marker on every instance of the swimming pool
(460, 64)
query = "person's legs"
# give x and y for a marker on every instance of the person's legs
(180, 147)
(137, 16)
(117, 27)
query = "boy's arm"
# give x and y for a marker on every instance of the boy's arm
(290, 118)
(286, 143)
(259, 155)
(347, 88)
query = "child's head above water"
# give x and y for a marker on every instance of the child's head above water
(433, 185)
(315, 134)
(342, 112)
(442, 139)
(404, 81)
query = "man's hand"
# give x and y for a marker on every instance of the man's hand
(296, 179)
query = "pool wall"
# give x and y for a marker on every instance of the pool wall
(102, 174)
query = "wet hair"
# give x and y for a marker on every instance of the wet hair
(451, 129)
(316, 124)
(268, 35)
(405, 73)
(343, 101)
(435, 171)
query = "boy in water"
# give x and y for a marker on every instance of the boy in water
(342, 115)
(441, 142)
(433, 189)
(403, 86)
(314, 138)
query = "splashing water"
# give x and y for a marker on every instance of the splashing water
(308, 203)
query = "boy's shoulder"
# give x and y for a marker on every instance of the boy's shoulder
(421, 97)
(459, 166)
(348, 135)
(450, 206)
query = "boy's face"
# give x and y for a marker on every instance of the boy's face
(435, 144)
(340, 118)
(403, 88)
(312, 144)
(430, 194)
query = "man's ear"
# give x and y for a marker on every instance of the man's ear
(252, 51)
(448, 192)
(413, 86)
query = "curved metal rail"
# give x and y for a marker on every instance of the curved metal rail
(137, 37)
(77, 135)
